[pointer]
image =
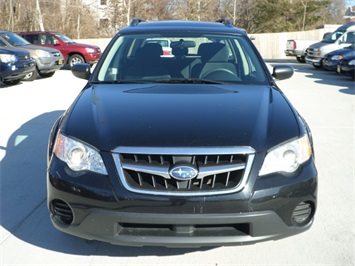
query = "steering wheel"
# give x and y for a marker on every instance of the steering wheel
(220, 74)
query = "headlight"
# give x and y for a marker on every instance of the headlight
(287, 157)
(8, 58)
(352, 63)
(336, 57)
(41, 53)
(78, 156)
(90, 50)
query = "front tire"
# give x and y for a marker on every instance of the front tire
(301, 59)
(75, 59)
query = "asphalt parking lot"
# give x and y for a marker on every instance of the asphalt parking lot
(28, 110)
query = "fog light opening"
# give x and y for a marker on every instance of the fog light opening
(303, 213)
(62, 211)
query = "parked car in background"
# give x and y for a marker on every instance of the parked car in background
(48, 60)
(14, 65)
(340, 38)
(165, 44)
(299, 48)
(73, 52)
(331, 60)
(198, 149)
(346, 66)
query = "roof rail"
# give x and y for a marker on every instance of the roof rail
(226, 21)
(136, 21)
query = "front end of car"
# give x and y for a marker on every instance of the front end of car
(180, 161)
(15, 65)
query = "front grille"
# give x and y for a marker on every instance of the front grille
(147, 170)
(310, 51)
(25, 57)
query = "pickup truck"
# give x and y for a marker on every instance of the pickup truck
(340, 38)
(299, 48)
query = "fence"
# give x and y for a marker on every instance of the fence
(270, 45)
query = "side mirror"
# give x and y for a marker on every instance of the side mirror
(281, 72)
(57, 43)
(81, 70)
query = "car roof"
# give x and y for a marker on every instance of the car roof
(221, 26)
(37, 32)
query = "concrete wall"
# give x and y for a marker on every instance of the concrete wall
(270, 45)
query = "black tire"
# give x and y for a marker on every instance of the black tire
(301, 59)
(46, 75)
(74, 59)
(11, 82)
(31, 76)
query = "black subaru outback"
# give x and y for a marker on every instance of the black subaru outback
(197, 148)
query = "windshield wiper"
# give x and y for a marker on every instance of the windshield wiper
(121, 82)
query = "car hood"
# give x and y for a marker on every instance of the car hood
(37, 47)
(82, 45)
(347, 51)
(181, 115)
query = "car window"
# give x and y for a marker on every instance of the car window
(334, 36)
(32, 38)
(14, 39)
(64, 38)
(220, 58)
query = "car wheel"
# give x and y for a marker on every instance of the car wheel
(74, 59)
(301, 59)
(11, 82)
(31, 76)
(46, 75)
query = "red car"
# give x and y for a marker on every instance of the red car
(73, 52)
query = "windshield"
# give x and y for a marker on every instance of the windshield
(334, 36)
(194, 58)
(14, 39)
(64, 38)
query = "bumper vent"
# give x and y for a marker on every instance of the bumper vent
(303, 213)
(62, 211)
(147, 170)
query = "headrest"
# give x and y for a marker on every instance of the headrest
(179, 51)
(213, 52)
(150, 51)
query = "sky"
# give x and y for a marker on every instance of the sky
(350, 2)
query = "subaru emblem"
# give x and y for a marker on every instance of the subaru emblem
(183, 172)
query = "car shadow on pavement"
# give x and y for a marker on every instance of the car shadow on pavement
(23, 206)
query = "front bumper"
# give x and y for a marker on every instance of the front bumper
(330, 64)
(49, 64)
(180, 230)
(92, 58)
(317, 61)
(17, 70)
(263, 210)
